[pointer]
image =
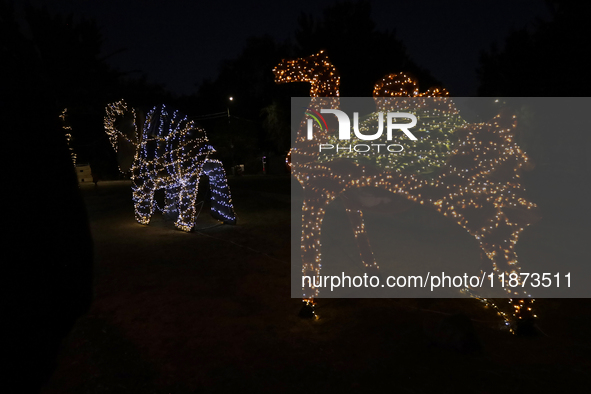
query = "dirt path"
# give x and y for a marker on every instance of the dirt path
(211, 311)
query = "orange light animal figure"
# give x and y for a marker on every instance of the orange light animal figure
(478, 187)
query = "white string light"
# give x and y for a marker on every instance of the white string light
(171, 153)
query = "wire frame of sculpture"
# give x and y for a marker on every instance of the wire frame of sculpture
(169, 152)
(477, 185)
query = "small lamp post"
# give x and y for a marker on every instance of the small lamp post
(230, 99)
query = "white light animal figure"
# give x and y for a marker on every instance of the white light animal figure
(167, 151)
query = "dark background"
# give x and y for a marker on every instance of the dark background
(195, 55)
(212, 312)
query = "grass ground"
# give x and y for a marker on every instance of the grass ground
(210, 311)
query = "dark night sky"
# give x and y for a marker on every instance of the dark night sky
(180, 42)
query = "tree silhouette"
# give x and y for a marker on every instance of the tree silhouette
(348, 34)
(276, 124)
(249, 80)
(66, 63)
(49, 285)
(547, 61)
(362, 54)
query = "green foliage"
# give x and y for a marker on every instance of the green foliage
(276, 124)
(424, 156)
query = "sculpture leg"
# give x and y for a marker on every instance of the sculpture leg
(171, 202)
(521, 317)
(143, 200)
(221, 200)
(186, 200)
(313, 211)
(357, 223)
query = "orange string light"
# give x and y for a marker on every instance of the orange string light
(478, 186)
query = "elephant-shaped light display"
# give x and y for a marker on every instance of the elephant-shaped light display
(167, 151)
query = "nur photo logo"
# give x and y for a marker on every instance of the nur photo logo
(345, 126)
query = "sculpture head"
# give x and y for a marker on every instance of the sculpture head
(123, 125)
(315, 69)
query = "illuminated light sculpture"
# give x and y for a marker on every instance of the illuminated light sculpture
(434, 138)
(167, 151)
(404, 85)
(68, 131)
(477, 185)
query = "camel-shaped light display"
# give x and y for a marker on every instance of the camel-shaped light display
(477, 183)
(167, 151)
